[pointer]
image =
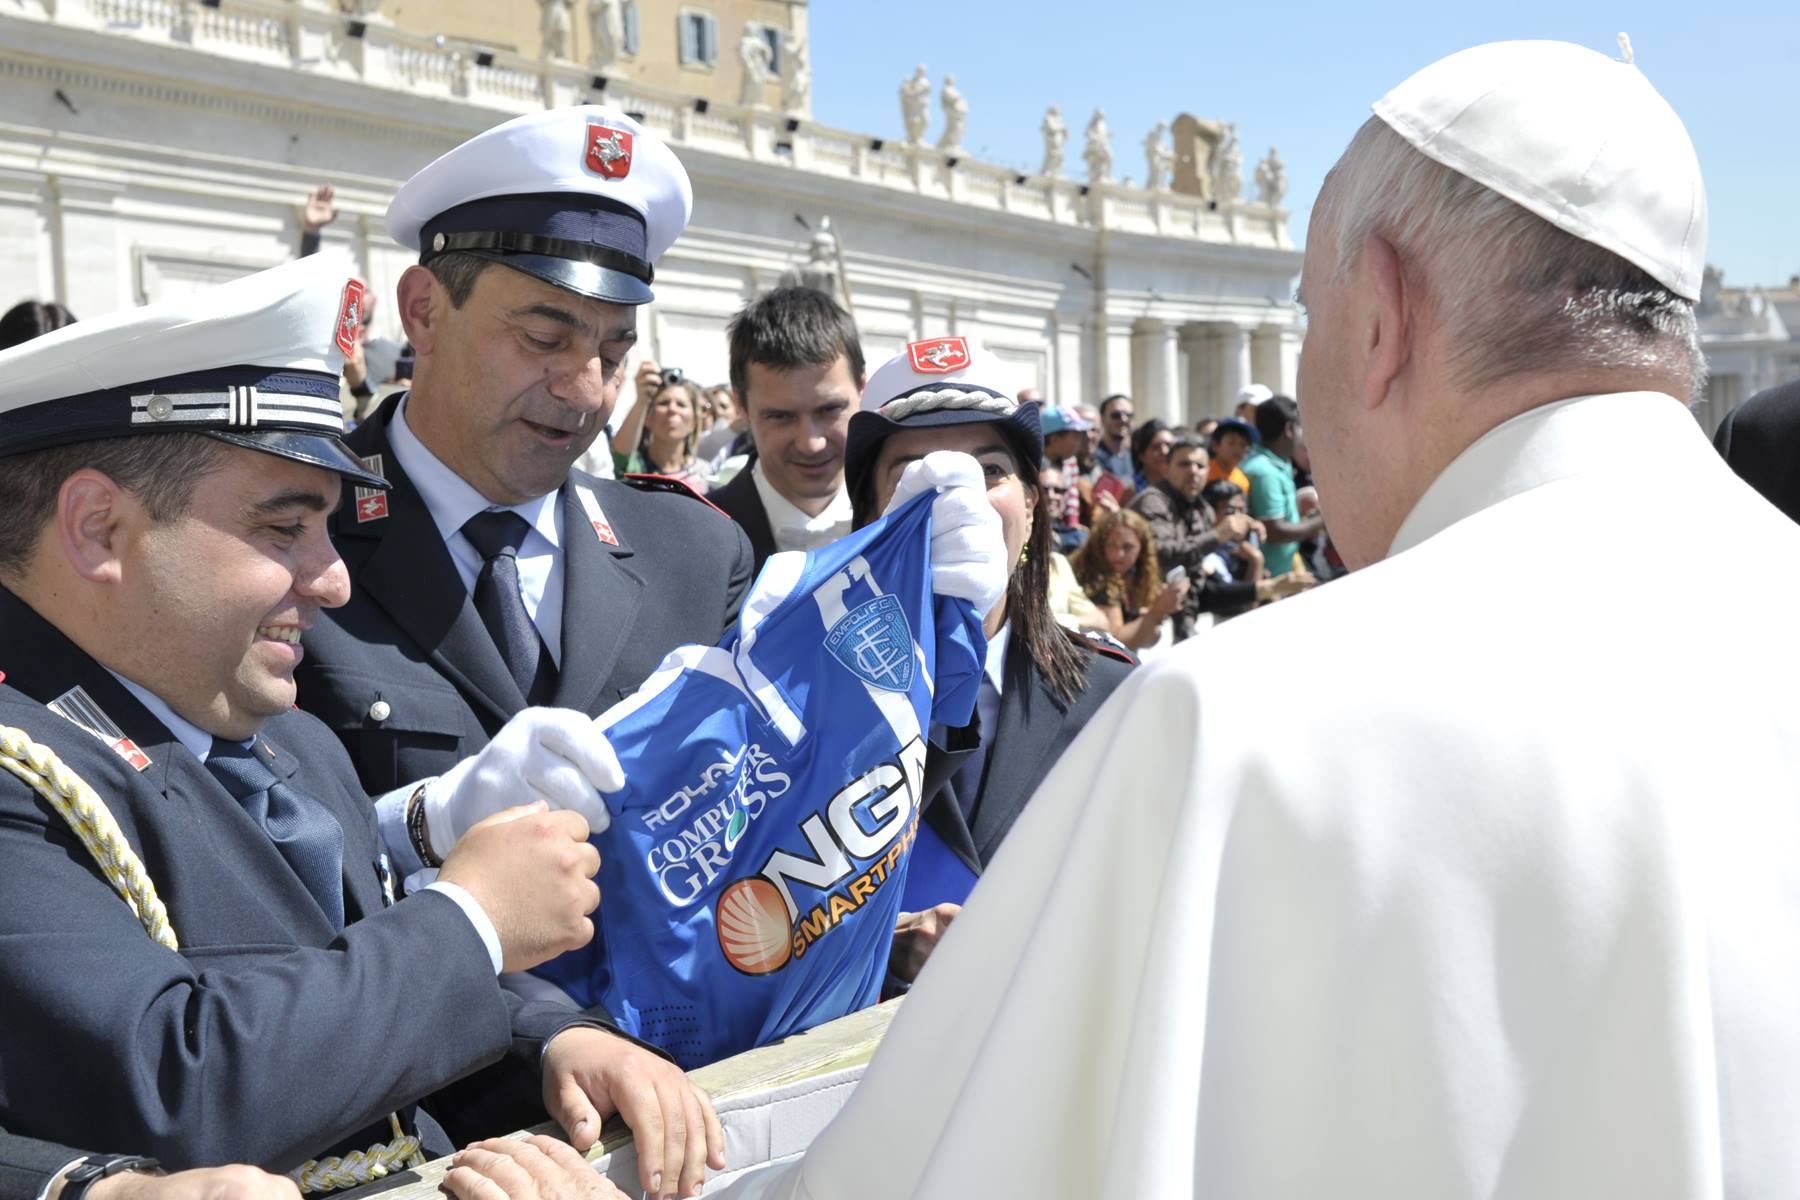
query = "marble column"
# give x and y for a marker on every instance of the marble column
(1265, 358)
(1155, 371)
(1202, 370)
(1234, 364)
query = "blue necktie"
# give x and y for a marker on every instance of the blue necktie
(497, 537)
(303, 830)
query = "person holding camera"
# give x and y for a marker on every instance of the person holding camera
(660, 433)
(1186, 532)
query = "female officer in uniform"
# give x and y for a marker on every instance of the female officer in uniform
(1042, 682)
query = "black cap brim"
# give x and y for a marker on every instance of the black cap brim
(313, 449)
(869, 429)
(583, 278)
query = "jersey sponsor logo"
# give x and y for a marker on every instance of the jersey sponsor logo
(608, 153)
(693, 855)
(350, 316)
(875, 643)
(855, 846)
(939, 356)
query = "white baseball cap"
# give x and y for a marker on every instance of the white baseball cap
(1580, 139)
(584, 198)
(253, 362)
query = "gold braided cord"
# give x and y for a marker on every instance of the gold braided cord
(93, 823)
(87, 814)
(361, 1166)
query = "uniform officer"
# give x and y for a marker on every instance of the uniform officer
(204, 962)
(491, 575)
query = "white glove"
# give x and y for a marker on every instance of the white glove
(550, 754)
(968, 544)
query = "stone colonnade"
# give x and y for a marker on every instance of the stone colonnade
(1186, 371)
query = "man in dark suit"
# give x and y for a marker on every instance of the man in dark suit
(205, 960)
(797, 370)
(493, 576)
(1761, 440)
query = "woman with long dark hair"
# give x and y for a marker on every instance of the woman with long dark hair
(1150, 452)
(1042, 681)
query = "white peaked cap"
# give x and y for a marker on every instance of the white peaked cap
(254, 362)
(1580, 139)
(583, 197)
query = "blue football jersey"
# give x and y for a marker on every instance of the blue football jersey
(757, 856)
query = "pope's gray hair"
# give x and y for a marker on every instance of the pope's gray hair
(1514, 294)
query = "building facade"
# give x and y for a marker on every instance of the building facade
(151, 146)
(1752, 341)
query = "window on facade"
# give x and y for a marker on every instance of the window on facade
(628, 14)
(771, 35)
(699, 39)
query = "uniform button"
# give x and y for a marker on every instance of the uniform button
(379, 711)
(160, 408)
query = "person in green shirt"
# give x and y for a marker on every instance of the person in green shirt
(1273, 498)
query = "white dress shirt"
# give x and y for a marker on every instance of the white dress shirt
(792, 527)
(451, 500)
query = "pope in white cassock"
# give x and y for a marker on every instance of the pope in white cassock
(1512, 906)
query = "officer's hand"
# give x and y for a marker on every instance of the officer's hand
(916, 935)
(968, 545)
(535, 1168)
(550, 754)
(532, 871)
(206, 1183)
(590, 1074)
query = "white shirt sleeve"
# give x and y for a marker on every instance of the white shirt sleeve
(390, 818)
(56, 1175)
(490, 937)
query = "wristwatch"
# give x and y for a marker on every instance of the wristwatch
(95, 1167)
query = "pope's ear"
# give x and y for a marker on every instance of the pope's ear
(423, 301)
(91, 510)
(1388, 319)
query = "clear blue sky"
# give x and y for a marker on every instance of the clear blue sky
(1302, 76)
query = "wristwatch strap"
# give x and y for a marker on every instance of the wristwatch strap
(416, 831)
(95, 1167)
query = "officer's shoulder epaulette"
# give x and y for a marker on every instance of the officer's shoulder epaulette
(672, 485)
(1101, 643)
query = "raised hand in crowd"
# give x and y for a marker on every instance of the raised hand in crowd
(532, 871)
(916, 935)
(534, 1168)
(590, 1074)
(1168, 599)
(1238, 526)
(320, 208)
(236, 1182)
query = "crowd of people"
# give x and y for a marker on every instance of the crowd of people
(298, 709)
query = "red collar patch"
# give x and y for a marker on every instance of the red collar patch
(350, 316)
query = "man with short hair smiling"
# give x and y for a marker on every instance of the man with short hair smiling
(204, 961)
(797, 370)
